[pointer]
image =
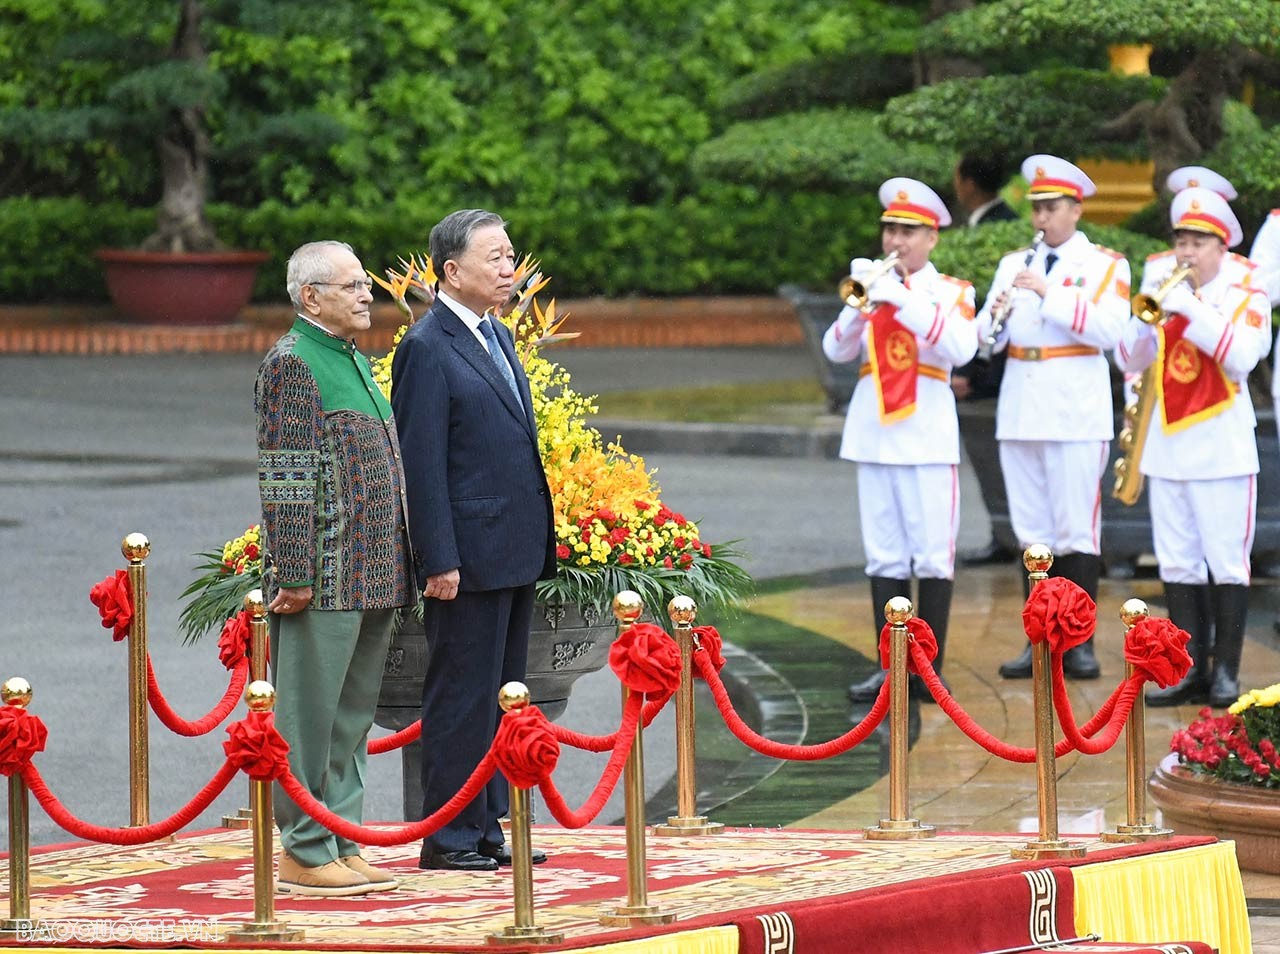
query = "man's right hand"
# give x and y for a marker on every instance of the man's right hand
(442, 586)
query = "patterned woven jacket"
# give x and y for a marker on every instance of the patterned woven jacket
(330, 476)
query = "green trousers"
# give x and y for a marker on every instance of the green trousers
(327, 667)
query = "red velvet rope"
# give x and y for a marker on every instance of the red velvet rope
(799, 753)
(626, 733)
(180, 726)
(126, 836)
(1121, 701)
(997, 747)
(403, 834)
(603, 743)
(396, 740)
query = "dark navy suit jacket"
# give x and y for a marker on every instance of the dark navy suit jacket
(478, 496)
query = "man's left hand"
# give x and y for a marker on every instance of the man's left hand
(292, 600)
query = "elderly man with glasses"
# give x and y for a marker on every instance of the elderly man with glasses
(336, 564)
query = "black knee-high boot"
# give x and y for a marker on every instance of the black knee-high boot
(1186, 604)
(1084, 570)
(883, 589)
(1231, 611)
(934, 608)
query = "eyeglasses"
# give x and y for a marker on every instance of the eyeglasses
(351, 288)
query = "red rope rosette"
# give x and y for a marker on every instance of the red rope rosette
(623, 739)
(709, 640)
(22, 735)
(255, 746)
(397, 740)
(525, 748)
(646, 659)
(1157, 649)
(235, 639)
(207, 723)
(919, 634)
(1060, 613)
(799, 753)
(114, 600)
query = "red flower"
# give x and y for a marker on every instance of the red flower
(679, 519)
(586, 535)
(666, 561)
(679, 543)
(1157, 648)
(919, 632)
(626, 558)
(618, 534)
(257, 747)
(251, 551)
(686, 559)
(706, 549)
(562, 552)
(641, 506)
(607, 515)
(1060, 612)
(233, 644)
(646, 659)
(114, 600)
(525, 748)
(22, 735)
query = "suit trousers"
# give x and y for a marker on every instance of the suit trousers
(477, 642)
(327, 666)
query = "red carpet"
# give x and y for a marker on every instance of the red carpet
(785, 890)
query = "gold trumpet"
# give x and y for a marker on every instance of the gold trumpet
(853, 291)
(1148, 308)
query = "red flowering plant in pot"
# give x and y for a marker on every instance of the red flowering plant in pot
(1240, 746)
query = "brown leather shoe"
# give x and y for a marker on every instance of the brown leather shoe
(379, 879)
(332, 880)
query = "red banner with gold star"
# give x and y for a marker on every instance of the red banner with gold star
(1193, 387)
(895, 361)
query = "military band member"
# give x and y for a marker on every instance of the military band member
(1266, 255)
(901, 426)
(1065, 302)
(1200, 457)
(1237, 269)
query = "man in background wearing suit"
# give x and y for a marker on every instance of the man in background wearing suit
(977, 180)
(480, 522)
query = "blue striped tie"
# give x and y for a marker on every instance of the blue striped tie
(500, 359)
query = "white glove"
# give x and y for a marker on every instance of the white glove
(1180, 300)
(888, 289)
(859, 267)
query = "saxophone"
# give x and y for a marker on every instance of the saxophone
(1137, 412)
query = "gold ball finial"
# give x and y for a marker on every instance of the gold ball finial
(1133, 611)
(1037, 558)
(136, 547)
(898, 610)
(260, 696)
(254, 604)
(682, 609)
(513, 695)
(628, 607)
(16, 691)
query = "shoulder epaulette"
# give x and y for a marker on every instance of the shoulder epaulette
(953, 280)
(1275, 211)
(1244, 261)
(1109, 251)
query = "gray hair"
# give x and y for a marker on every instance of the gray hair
(309, 264)
(452, 234)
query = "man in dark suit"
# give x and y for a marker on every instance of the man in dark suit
(978, 180)
(480, 521)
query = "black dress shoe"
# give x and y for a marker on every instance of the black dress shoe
(457, 861)
(993, 552)
(502, 853)
(869, 689)
(1079, 662)
(1019, 668)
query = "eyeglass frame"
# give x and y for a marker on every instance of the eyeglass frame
(348, 287)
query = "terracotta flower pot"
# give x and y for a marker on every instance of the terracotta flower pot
(1194, 804)
(195, 288)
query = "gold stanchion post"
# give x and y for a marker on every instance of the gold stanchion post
(256, 607)
(683, 611)
(136, 548)
(18, 926)
(512, 696)
(1037, 559)
(899, 826)
(261, 697)
(1138, 828)
(627, 609)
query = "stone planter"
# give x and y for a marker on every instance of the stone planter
(198, 288)
(1194, 804)
(565, 644)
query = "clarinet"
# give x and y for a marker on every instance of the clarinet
(999, 315)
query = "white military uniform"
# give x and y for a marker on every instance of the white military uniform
(1266, 255)
(908, 490)
(1054, 417)
(1201, 468)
